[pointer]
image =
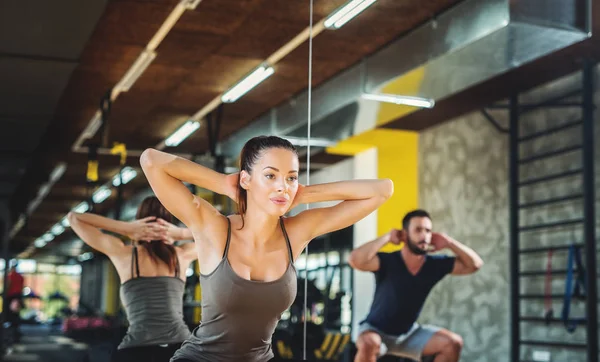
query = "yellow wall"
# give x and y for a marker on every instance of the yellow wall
(397, 160)
(208, 196)
(112, 284)
(197, 295)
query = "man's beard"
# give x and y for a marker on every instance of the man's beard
(414, 248)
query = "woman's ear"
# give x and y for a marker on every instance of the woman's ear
(244, 179)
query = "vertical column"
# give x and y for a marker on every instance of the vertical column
(110, 287)
(589, 201)
(514, 228)
(363, 286)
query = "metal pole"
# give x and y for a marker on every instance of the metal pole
(4, 229)
(589, 211)
(119, 201)
(514, 226)
(5, 287)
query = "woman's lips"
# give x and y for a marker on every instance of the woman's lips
(279, 200)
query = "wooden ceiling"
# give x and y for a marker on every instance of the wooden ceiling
(207, 51)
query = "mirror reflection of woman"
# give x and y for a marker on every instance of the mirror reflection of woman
(152, 274)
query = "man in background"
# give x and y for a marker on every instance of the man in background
(403, 282)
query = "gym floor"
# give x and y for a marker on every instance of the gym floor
(44, 344)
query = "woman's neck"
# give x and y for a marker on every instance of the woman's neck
(259, 226)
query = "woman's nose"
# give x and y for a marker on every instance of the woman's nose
(280, 185)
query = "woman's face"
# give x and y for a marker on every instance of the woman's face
(273, 182)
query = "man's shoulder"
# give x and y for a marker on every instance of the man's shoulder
(442, 263)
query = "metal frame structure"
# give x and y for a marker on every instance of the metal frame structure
(589, 211)
(516, 111)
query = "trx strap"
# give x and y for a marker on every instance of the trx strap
(213, 127)
(92, 166)
(119, 149)
(92, 174)
(105, 106)
(549, 313)
(577, 290)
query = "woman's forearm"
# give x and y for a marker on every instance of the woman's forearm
(184, 234)
(101, 222)
(185, 170)
(346, 190)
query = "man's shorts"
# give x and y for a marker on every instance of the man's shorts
(408, 345)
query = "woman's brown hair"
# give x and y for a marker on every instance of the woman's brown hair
(157, 249)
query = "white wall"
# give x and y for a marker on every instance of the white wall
(365, 166)
(340, 171)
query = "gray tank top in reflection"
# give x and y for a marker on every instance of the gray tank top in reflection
(239, 316)
(154, 308)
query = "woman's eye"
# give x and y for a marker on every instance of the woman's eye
(292, 178)
(270, 176)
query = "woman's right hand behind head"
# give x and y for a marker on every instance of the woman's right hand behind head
(173, 233)
(146, 229)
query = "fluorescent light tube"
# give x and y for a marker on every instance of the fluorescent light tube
(406, 100)
(57, 229)
(127, 174)
(47, 237)
(58, 172)
(316, 142)
(101, 194)
(252, 80)
(190, 4)
(81, 208)
(85, 256)
(182, 133)
(346, 13)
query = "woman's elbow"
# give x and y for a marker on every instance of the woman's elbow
(387, 188)
(147, 159)
(353, 260)
(72, 217)
(155, 159)
(357, 262)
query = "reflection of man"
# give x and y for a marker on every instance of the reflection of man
(403, 282)
(14, 298)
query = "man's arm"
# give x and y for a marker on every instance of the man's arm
(365, 257)
(467, 260)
